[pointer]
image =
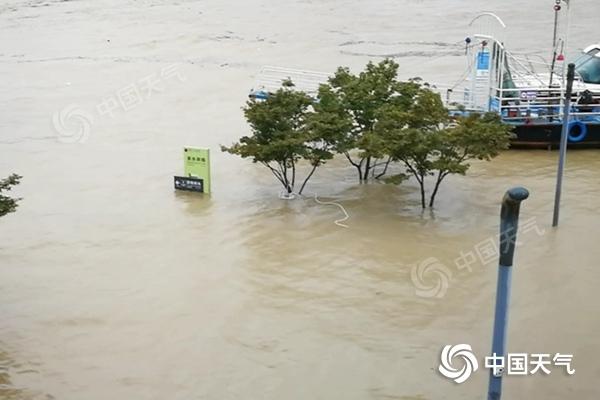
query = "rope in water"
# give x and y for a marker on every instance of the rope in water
(339, 222)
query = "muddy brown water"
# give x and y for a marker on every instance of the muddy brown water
(113, 286)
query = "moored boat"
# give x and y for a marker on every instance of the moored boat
(526, 93)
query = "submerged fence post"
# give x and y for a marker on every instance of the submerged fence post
(563, 143)
(509, 221)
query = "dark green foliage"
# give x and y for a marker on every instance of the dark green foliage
(373, 119)
(286, 129)
(362, 98)
(8, 204)
(429, 143)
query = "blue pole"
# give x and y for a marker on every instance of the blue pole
(563, 143)
(509, 221)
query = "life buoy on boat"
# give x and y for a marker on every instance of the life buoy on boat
(573, 125)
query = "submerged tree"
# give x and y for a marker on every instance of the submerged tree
(429, 143)
(361, 99)
(8, 204)
(373, 119)
(475, 137)
(286, 129)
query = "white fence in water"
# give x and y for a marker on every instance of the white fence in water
(271, 78)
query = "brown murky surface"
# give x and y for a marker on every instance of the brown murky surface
(112, 286)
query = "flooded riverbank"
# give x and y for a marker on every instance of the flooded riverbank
(114, 286)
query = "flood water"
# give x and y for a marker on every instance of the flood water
(113, 286)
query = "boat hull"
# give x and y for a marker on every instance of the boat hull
(548, 136)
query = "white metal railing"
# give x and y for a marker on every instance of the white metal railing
(540, 105)
(270, 79)
(531, 104)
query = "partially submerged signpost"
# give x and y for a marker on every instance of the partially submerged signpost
(196, 171)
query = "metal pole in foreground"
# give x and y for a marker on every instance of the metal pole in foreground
(509, 221)
(563, 143)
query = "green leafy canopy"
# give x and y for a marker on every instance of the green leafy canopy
(287, 127)
(374, 120)
(8, 204)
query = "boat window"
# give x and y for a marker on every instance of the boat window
(588, 67)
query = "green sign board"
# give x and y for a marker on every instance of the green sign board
(197, 165)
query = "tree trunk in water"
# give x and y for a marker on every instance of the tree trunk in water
(307, 178)
(283, 171)
(367, 168)
(293, 174)
(275, 173)
(357, 166)
(359, 169)
(387, 164)
(420, 177)
(435, 189)
(422, 183)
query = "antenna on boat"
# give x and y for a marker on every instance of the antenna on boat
(557, 8)
(556, 55)
(565, 41)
